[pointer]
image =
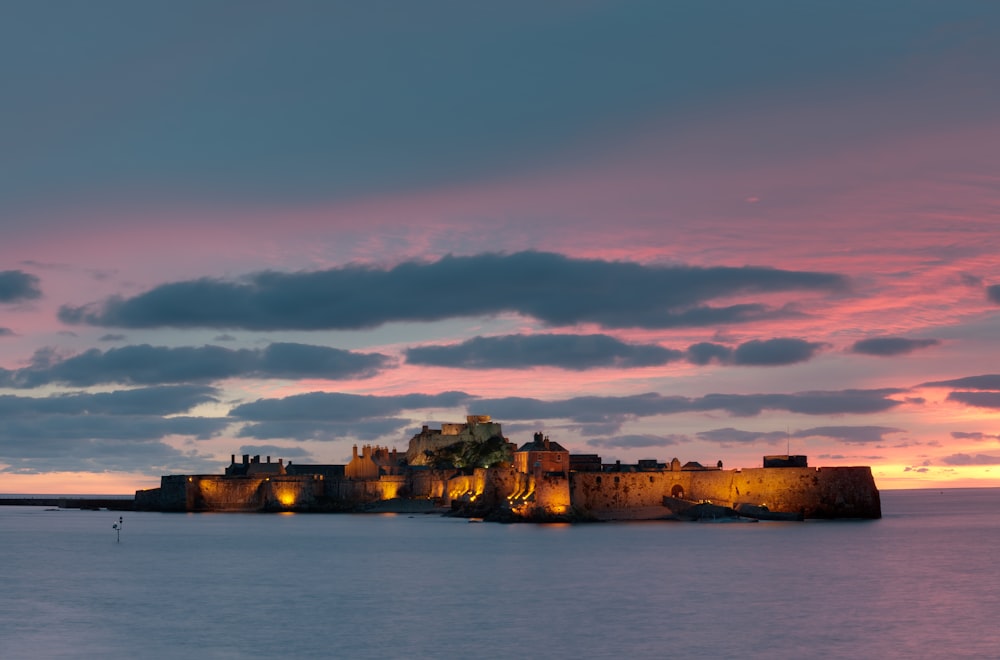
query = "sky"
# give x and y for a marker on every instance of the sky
(711, 231)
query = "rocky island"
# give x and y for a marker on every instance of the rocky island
(471, 469)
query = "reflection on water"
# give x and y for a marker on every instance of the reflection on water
(914, 584)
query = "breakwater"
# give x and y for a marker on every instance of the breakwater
(71, 502)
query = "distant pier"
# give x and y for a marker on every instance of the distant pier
(123, 503)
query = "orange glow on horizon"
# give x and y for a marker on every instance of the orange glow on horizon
(76, 483)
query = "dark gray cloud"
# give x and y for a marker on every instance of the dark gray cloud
(984, 382)
(6, 332)
(337, 407)
(961, 435)
(111, 337)
(888, 346)
(849, 434)
(580, 352)
(638, 441)
(17, 286)
(845, 434)
(164, 400)
(50, 450)
(27, 434)
(705, 352)
(328, 415)
(575, 352)
(755, 353)
(971, 280)
(334, 415)
(553, 288)
(977, 399)
(99, 432)
(970, 459)
(596, 428)
(145, 365)
(774, 352)
(993, 293)
(804, 403)
(614, 411)
(363, 430)
(731, 436)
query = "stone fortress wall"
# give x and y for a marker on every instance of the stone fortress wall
(826, 492)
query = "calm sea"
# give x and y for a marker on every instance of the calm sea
(922, 582)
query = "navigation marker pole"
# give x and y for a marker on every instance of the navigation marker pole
(118, 528)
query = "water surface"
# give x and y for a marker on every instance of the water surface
(920, 582)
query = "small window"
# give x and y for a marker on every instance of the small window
(558, 458)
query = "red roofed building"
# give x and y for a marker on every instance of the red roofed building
(543, 455)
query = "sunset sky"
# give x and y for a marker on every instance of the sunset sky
(710, 230)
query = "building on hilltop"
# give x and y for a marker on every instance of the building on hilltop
(477, 428)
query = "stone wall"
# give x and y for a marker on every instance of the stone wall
(221, 493)
(830, 492)
(826, 492)
(604, 493)
(170, 496)
(552, 496)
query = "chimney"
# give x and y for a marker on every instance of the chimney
(546, 443)
(232, 459)
(355, 451)
(268, 459)
(246, 458)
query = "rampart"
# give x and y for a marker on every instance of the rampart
(305, 492)
(825, 492)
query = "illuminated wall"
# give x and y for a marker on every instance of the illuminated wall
(817, 492)
(552, 496)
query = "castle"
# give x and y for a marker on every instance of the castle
(471, 468)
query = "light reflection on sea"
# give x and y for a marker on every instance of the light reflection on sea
(918, 583)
